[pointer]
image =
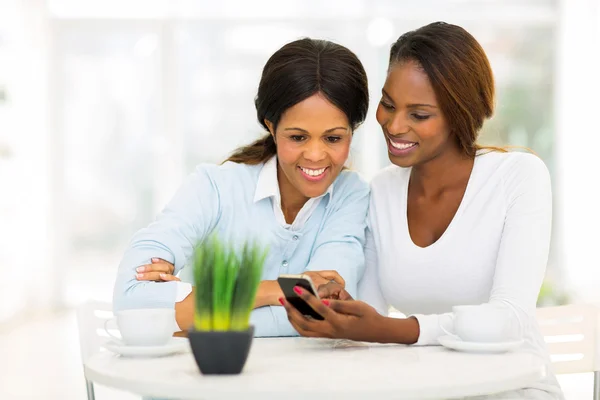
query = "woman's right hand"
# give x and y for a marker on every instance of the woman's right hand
(333, 291)
(269, 292)
(319, 278)
(159, 271)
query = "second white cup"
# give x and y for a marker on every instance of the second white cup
(488, 323)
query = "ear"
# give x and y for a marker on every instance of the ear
(269, 125)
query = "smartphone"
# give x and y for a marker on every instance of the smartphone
(287, 283)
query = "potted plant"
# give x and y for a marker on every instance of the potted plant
(226, 279)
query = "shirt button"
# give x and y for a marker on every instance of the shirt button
(295, 237)
(284, 264)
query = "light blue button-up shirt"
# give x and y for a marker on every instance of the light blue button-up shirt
(235, 202)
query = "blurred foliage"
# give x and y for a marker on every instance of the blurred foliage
(525, 93)
(552, 294)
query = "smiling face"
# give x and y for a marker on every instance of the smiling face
(313, 142)
(413, 124)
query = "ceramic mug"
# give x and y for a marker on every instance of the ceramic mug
(489, 323)
(143, 327)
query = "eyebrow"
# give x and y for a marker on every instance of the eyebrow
(305, 131)
(413, 105)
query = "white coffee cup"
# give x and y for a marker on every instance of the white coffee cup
(144, 327)
(488, 323)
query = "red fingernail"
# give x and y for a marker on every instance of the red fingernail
(326, 302)
(297, 290)
(281, 300)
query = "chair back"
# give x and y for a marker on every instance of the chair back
(571, 336)
(91, 318)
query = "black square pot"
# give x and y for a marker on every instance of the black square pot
(218, 352)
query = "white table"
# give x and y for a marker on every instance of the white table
(301, 368)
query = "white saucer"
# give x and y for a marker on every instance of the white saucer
(175, 345)
(479, 347)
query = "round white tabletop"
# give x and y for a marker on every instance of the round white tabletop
(297, 368)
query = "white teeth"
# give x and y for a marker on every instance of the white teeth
(402, 146)
(313, 172)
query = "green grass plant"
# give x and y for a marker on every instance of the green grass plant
(226, 279)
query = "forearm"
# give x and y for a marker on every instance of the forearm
(394, 330)
(130, 293)
(271, 321)
(268, 294)
(184, 311)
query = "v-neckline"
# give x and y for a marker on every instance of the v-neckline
(457, 214)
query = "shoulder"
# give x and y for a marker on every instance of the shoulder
(228, 173)
(349, 182)
(516, 167)
(350, 188)
(528, 164)
(389, 178)
(229, 169)
(513, 159)
(518, 174)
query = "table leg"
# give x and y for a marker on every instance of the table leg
(596, 385)
(89, 385)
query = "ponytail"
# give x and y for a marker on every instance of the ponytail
(255, 153)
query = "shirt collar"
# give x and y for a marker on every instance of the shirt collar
(268, 186)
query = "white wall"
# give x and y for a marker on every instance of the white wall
(578, 146)
(26, 281)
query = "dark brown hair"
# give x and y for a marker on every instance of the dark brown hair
(460, 74)
(294, 73)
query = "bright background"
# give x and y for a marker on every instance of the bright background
(106, 105)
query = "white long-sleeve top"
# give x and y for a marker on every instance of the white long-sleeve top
(495, 249)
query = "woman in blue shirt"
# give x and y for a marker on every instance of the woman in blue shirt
(288, 188)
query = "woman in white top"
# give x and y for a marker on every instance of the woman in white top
(451, 223)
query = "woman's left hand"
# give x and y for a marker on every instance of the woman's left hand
(343, 319)
(159, 271)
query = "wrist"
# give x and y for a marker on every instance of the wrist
(268, 294)
(275, 293)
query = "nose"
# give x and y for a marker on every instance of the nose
(398, 124)
(315, 150)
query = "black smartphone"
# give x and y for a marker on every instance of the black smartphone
(287, 283)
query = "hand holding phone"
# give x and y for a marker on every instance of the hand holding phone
(333, 291)
(287, 284)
